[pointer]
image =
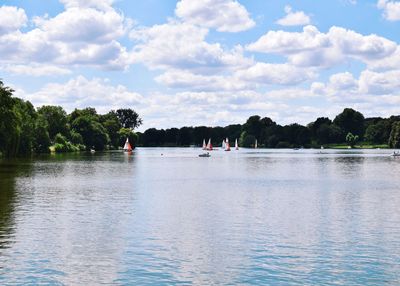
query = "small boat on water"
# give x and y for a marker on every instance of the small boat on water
(205, 155)
(223, 145)
(209, 146)
(236, 145)
(127, 146)
(227, 146)
(204, 144)
(395, 154)
(255, 145)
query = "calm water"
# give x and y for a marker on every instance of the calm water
(257, 217)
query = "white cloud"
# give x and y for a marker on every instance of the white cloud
(343, 81)
(98, 4)
(11, 19)
(206, 108)
(182, 46)
(250, 78)
(83, 25)
(291, 93)
(223, 15)
(377, 83)
(196, 82)
(288, 43)
(371, 86)
(80, 92)
(280, 74)
(292, 18)
(35, 70)
(390, 62)
(76, 36)
(313, 48)
(391, 9)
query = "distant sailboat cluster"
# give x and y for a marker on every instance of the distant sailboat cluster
(224, 146)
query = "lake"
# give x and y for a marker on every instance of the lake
(164, 216)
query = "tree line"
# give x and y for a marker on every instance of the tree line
(25, 130)
(347, 128)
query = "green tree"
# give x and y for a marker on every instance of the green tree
(185, 136)
(129, 118)
(247, 140)
(87, 112)
(9, 122)
(233, 131)
(94, 135)
(111, 123)
(296, 135)
(56, 118)
(171, 136)
(27, 118)
(200, 133)
(394, 139)
(379, 132)
(42, 138)
(350, 121)
(351, 139)
(217, 134)
(153, 137)
(75, 138)
(314, 126)
(322, 134)
(253, 126)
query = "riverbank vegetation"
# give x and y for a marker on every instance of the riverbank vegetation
(347, 129)
(25, 130)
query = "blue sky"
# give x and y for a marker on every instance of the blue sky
(205, 62)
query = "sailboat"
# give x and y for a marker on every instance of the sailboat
(209, 145)
(204, 144)
(227, 146)
(223, 144)
(255, 145)
(127, 146)
(236, 145)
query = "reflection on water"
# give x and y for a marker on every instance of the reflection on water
(264, 217)
(7, 204)
(9, 198)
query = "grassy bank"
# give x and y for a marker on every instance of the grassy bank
(357, 146)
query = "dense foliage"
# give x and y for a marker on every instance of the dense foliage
(24, 130)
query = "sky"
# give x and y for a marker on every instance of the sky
(205, 62)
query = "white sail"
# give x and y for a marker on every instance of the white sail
(209, 145)
(127, 146)
(236, 144)
(223, 144)
(255, 145)
(204, 144)
(227, 146)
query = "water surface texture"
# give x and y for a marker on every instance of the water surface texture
(168, 217)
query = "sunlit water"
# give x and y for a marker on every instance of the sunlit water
(166, 217)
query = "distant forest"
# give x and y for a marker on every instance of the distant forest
(348, 128)
(25, 130)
